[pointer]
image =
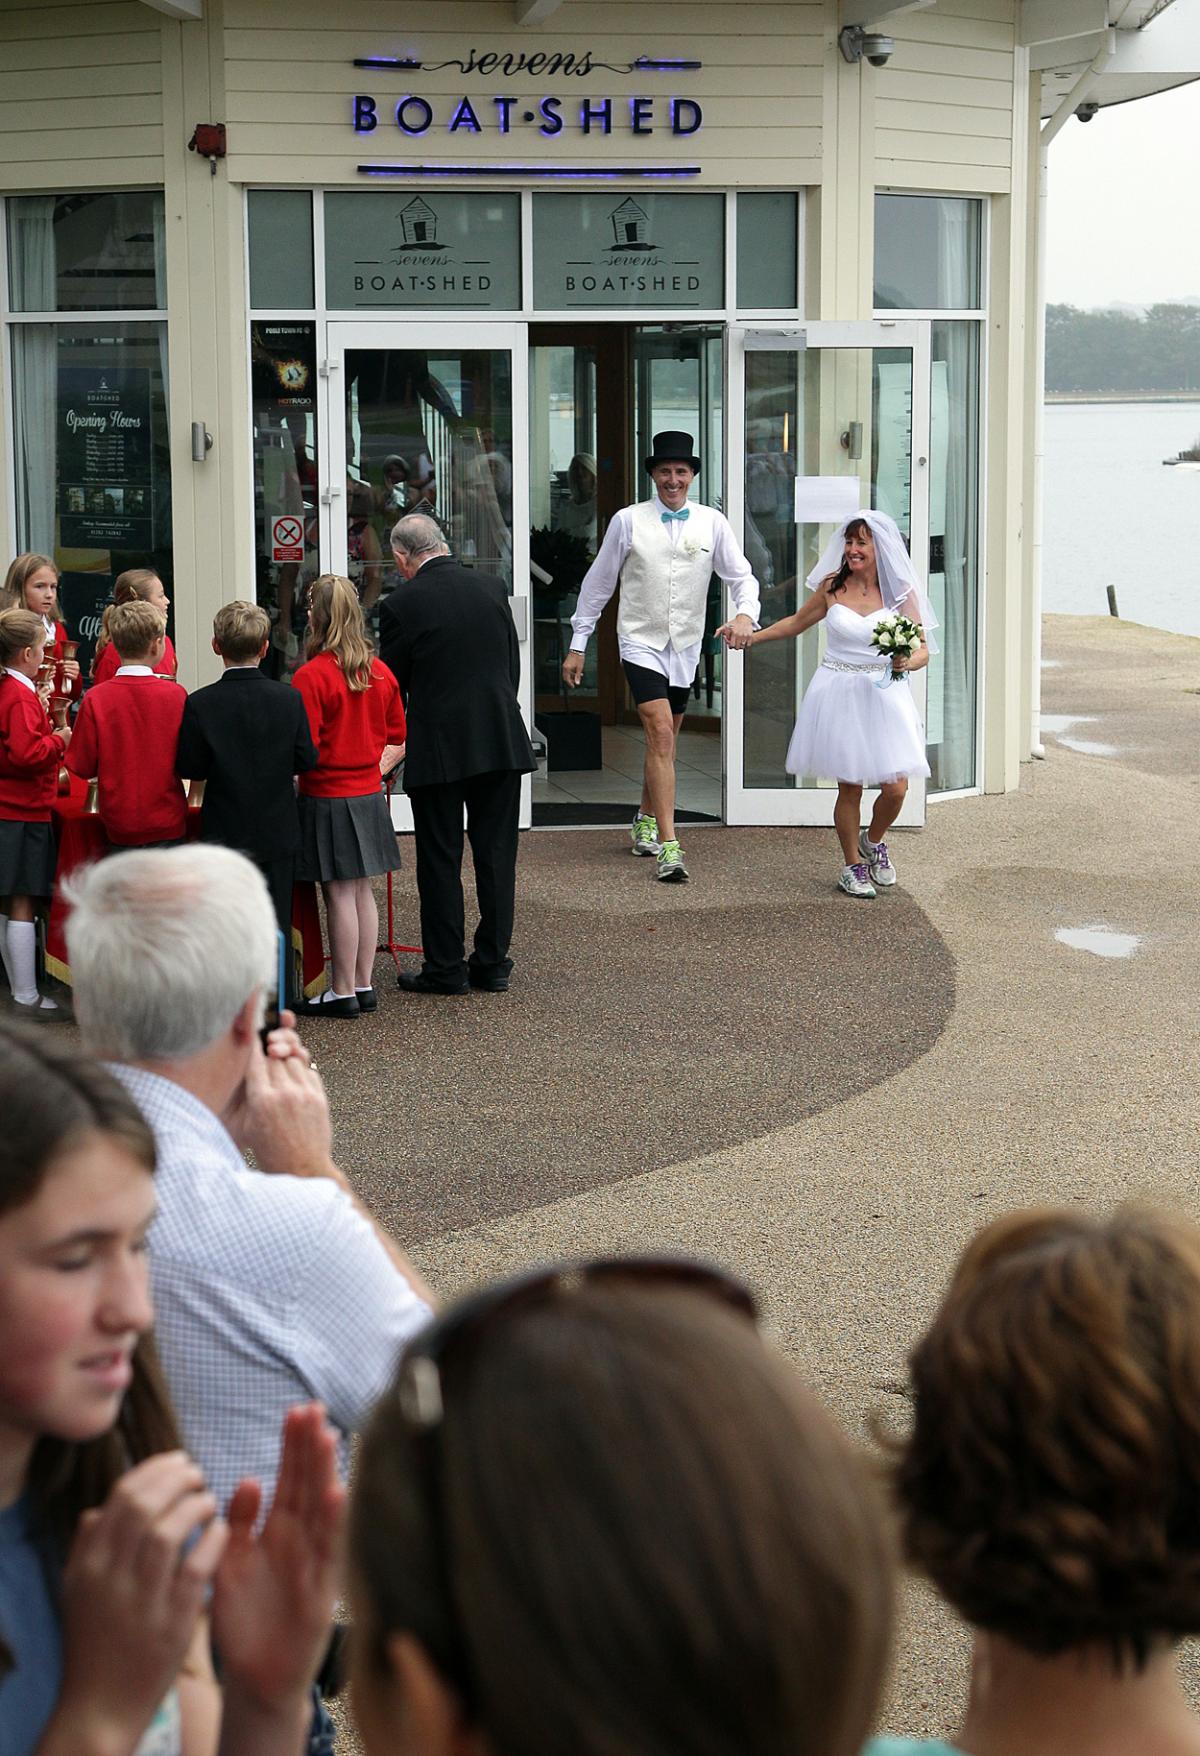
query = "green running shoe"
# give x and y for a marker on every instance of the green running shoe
(671, 869)
(643, 833)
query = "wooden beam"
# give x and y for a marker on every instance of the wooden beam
(533, 11)
(189, 9)
(879, 11)
(1053, 21)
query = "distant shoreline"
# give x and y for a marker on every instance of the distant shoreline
(1060, 396)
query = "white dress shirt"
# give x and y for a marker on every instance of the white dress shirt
(600, 581)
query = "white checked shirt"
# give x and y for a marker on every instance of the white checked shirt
(268, 1290)
(729, 564)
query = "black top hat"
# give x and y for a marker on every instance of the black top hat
(674, 448)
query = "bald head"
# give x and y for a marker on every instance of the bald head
(414, 540)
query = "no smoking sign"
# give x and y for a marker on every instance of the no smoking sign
(287, 538)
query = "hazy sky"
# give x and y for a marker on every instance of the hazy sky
(1123, 222)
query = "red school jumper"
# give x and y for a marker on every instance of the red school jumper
(349, 726)
(109, 662)
(31, 754)
(126, 735)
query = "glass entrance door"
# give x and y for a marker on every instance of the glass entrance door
(832, 404)
(428, 418)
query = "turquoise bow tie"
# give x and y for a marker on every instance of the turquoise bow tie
(668, 516)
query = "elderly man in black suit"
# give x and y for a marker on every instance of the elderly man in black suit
(447, 633)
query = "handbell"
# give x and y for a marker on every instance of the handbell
(195, 794)
(91, 804)
(64, 782)
(70, 649)
(59, 708)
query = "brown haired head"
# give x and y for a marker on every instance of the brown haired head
(135, 586)
(135, 629)
(632, 1529)
(19, 629)
(240, 631)
(1051, 1485)
(12, 593)
(337, 626)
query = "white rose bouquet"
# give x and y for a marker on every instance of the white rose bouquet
(895, 636)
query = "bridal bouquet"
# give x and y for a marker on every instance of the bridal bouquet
(895, 636)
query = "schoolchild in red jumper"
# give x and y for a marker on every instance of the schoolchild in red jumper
(357, 722)
(32, 584)
(139, 585)
(126, 733)
(31, 752)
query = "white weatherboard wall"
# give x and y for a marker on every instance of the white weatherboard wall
(105, 93)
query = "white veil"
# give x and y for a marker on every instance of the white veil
(897, 575)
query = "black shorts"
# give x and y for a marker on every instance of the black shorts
(648, 685)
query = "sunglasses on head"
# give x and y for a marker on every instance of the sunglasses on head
(421, 1384)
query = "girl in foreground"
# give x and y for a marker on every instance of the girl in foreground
(596, 1515)
(102, 1645)
(848, 728)
(346, 838)
(1051, 1485)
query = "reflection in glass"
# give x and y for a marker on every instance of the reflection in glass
(280, 227)
(928, 254)
(88, 252)
(283, 393)
(767, 239)
(953, 553)
(564, 529)
(93, 491)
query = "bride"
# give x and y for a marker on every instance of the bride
(849, 727)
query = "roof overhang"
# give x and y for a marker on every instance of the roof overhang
(1130, 48)
(189, 9)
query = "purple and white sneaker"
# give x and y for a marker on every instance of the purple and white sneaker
(875, 853)
(856, 881)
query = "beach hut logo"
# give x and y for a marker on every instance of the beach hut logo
(418, 226)
(629, 223)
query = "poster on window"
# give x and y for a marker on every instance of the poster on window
(105, 458)
(283, 365)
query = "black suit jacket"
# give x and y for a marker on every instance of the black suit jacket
(448, 635)
(245, 736)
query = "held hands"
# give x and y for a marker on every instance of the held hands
(738, 635)
(393, 756)
(573, 670)
(131, 1597)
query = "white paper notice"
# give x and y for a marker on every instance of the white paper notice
(828, 499)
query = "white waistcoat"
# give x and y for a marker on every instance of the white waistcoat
(664, 585)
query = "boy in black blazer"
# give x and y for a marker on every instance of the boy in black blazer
(246, 737)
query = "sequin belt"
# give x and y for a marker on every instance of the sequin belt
(831, 664)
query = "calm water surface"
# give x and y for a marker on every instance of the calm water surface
(1115, 516)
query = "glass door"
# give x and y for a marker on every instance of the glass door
(428, 417)
(840, 410)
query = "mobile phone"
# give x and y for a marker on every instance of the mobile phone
(278, 996)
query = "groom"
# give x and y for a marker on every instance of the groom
(664, 553)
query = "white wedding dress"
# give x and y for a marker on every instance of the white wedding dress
(848, 728)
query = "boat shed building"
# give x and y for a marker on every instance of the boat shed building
(271, 274)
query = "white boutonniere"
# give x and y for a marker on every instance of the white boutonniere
(692, 547)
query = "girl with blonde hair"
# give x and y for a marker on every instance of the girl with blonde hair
(136, 585)
(31, 583)
(346, 837)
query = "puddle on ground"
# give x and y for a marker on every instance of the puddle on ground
(1100, 941)
(1052, 664)
(1058, 723)
(1085, 747)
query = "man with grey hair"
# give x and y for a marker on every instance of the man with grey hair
(448, 636)
(271, 1286)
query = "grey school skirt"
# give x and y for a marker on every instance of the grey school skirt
(345, 838)
(28, 856)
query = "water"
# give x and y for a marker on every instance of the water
(1115, 516)
(1100, 941)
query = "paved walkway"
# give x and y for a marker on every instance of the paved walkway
(827, 1095)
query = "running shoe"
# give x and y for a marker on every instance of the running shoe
(643, 833)
(671, 869)
(856, 881)
(875, 853)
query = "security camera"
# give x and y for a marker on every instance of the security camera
(1085, 112)
(855, 43)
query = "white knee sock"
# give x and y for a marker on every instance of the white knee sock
(22, 961)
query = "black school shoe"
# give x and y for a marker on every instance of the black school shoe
(345, 1006)
(487, 984)
(368, 999)
(417, 982)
